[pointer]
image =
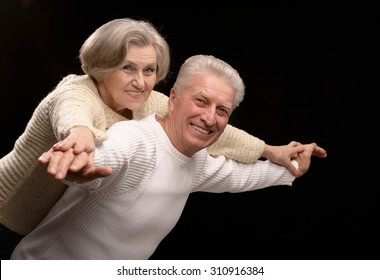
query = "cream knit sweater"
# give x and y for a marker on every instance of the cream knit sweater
(27, 192)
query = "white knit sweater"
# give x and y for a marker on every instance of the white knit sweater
(126, 215)
(27, 192)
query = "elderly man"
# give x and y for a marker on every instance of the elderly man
(156, 163)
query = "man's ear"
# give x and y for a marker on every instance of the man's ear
(171, 100)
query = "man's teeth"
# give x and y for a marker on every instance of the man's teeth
(201, 129)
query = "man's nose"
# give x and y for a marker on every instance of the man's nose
(209, 116)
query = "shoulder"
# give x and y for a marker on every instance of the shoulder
(73, 79)
(76, 87)
(157, 99)
(158, 95)
(133, 128)
(132, 138)
(156, 103)
(76, 83)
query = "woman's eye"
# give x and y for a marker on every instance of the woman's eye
(150, 70)
(127, 67)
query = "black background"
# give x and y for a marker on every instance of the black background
(311, 75)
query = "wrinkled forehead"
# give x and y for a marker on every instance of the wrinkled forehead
(213, 87)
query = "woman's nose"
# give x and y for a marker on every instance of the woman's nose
(138, 80)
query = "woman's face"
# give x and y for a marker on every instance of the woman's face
(130, 86)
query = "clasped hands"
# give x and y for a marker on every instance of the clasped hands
(302, 153)
(73, 158)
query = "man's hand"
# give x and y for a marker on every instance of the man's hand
(69, 165)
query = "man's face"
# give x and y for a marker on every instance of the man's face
(200, 113)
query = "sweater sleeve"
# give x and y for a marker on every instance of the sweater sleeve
(76, 103)
(238, 145)
(224, 175)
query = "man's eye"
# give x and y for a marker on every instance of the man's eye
(223, 112)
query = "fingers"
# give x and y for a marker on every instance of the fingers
(97, 172)
(291, 153)
(292, 169)
(72, 166)
(310, 148)
(45, 157)
(61, 146)
(79, 144)
(88, 174)
(299, 147)
(316, 150)
(60, 163)
(64, 145)
(304, 158)
(283, 155)
(294, 144)
(79, 161)
(296, 150)
(319, 152)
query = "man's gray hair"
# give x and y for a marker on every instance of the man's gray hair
(207, 63)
